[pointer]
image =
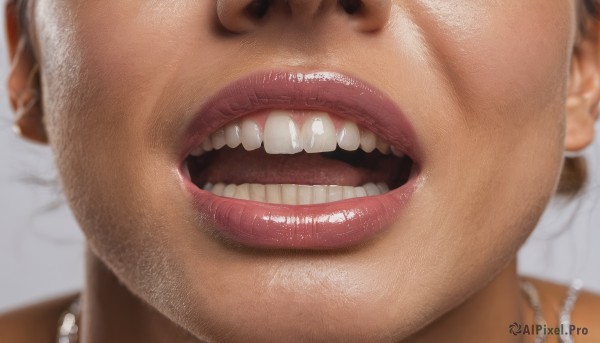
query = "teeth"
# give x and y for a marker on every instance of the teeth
(289, 194)
(304, 195)
(383, 188)
(207, 145)
(218, 139)
(218, 189)
(396, 152)
(273, 194)
(252, 136)
(335, 193)
(320, 194)
(198, 151)
(232, 135)
(318, 134)
(349, 136)
(258, 192)
(360, 192)
(383, 147)
(348, 192)
(372, 189)
(229, 191)
(281, 134)
(242, 192)
(368, 140)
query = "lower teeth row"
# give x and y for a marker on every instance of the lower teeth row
(289, 194)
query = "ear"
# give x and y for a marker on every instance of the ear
(23, 81)
(583, 96)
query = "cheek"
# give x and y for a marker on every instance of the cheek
(511, 50)
(506, 64)
(100, 87)
(494, 153)
(108, 63)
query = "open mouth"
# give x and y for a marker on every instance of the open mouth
(296, 158)
(291, 160)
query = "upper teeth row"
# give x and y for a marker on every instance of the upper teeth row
(281, 135)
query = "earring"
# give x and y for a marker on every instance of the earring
(29, 120)
(29, 112)
(26, 105)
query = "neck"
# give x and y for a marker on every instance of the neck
(111, 313)
(485, 316)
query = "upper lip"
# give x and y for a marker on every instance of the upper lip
(335, 93)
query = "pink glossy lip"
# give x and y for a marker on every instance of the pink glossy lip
(325, 226)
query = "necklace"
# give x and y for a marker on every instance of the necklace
(68, 329)
(564, 316)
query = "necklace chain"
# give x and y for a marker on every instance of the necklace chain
(564, 316)
(68, 329)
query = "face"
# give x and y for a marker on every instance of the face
(481, 84)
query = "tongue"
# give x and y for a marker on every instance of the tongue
(237, 166)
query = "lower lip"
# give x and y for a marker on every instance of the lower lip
(335, 225)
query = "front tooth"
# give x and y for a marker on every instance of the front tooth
(218, 189)
(318, 134)
(232, 135)
(218, 139)
(252, 136)
(229, 190)
(242, 192)
(349, 136)
(281, 134)
(372, 189)
(305, 195)
(258, 192)
(288, 194)
(319, 194)
(368, 140)
(335, 193)
(273, 194)
(383, 147)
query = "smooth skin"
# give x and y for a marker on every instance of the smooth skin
(496, 91)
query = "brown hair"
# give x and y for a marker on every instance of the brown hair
(574, 174)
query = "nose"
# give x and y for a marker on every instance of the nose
(240, 16)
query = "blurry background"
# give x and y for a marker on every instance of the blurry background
(41, 247)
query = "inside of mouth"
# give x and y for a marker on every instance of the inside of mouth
(297, 158)
(298, 179)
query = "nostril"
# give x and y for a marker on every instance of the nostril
(351, 6)
(242, 16)
(258, 8)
